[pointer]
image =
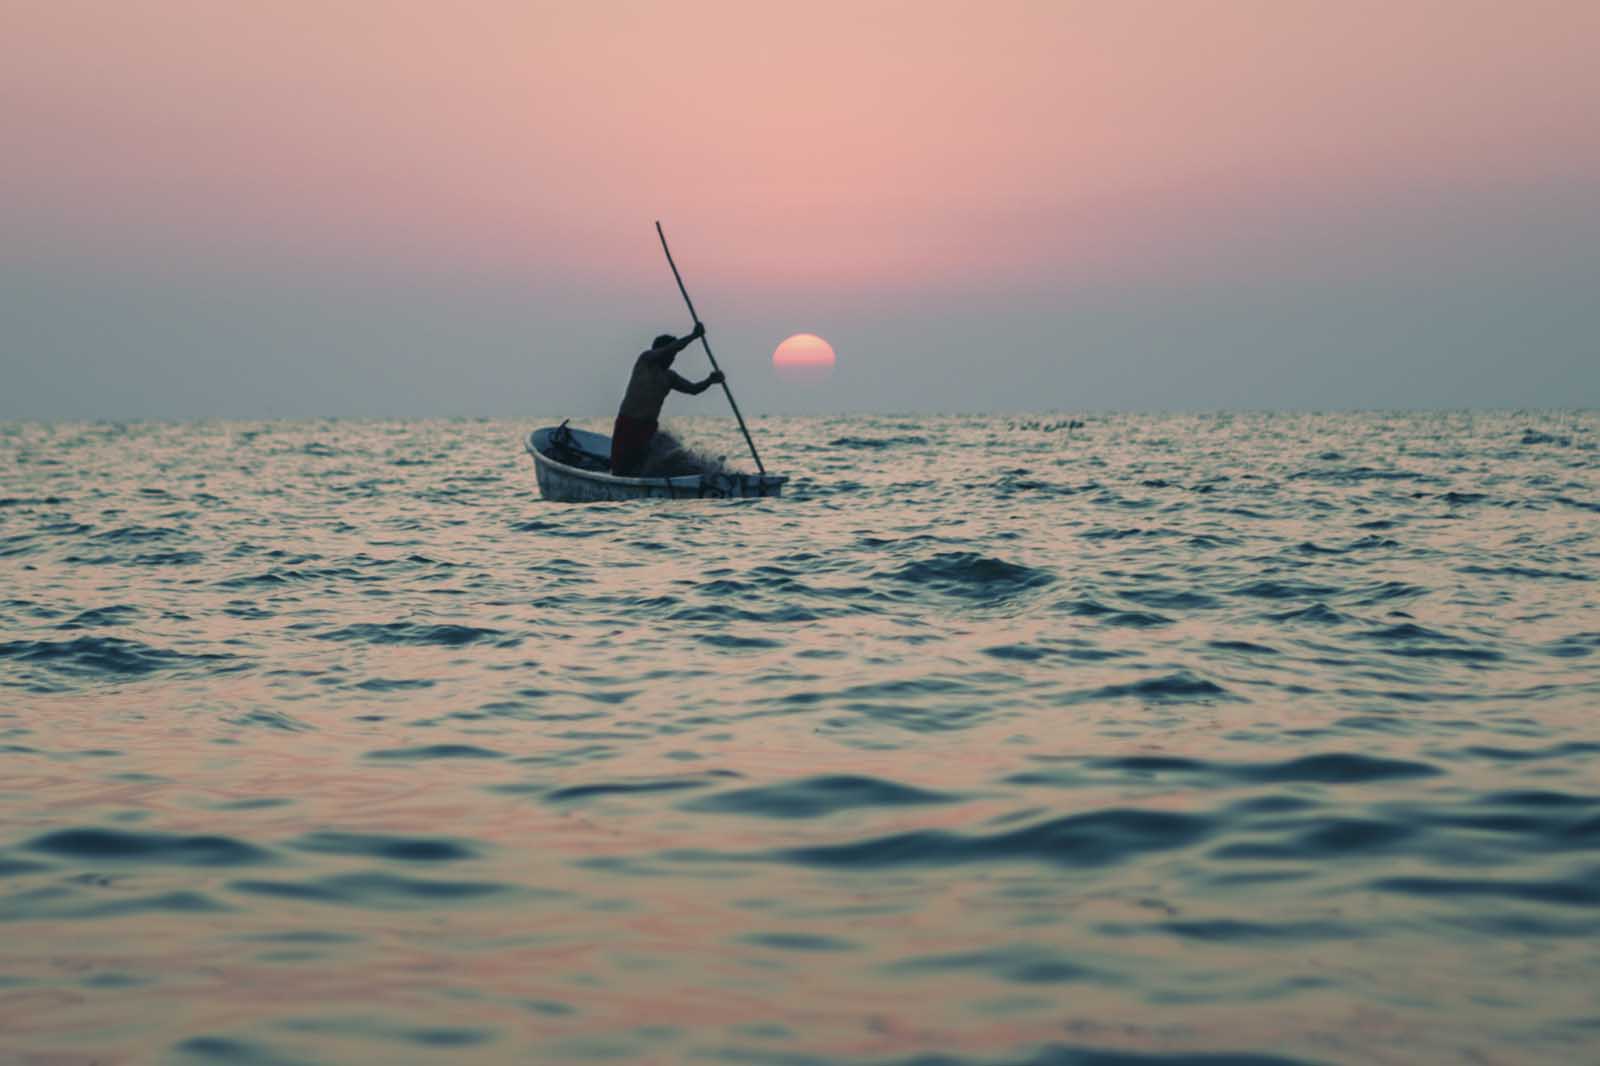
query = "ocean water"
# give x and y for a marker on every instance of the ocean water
(1257, 738)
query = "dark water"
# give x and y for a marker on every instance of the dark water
(1253, 739)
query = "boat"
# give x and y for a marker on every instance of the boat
(574, 465)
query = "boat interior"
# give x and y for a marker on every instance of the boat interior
(564, 448)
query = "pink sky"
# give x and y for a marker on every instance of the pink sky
(889, 144)
(410, 206)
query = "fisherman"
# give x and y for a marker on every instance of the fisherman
(652, 379)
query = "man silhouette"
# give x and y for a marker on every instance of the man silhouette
(652, 379)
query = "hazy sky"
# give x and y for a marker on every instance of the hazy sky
(375, 207)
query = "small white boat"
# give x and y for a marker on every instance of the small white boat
(574, 465)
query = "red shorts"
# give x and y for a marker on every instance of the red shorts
(630, 443)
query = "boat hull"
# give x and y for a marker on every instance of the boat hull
(570, 465)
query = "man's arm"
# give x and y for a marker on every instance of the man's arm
(680, 344)
(694, 388)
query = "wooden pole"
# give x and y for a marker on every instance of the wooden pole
(707, 345)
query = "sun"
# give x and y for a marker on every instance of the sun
(804, 357)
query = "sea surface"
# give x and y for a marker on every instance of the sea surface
(1256, 738)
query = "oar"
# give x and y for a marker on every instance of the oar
(707, 344)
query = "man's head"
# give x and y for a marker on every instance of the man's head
(662, 341)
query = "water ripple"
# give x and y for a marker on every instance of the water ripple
(1096, 839)
(118, 845)
(104, 656)
(816, 797)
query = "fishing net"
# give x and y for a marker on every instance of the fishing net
(669, 456)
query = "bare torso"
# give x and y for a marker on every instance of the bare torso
(647, 388)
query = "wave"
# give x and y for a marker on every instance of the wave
(1173, 687)
(381, 846)
(121, 845)
(445, 635)
(137, 534)
(109, 657)
(971, 574)
(1327, 768)
(1583, 891)
(595, 789)
(1081, 1055)
(380, 891)
(901, 441)
(117, 614)
(1100, 838)
(436, 751)
(1028, 964)
(290, 575)
(816, 797)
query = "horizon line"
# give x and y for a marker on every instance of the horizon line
(901, 413)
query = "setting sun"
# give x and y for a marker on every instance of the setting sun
(804, 357)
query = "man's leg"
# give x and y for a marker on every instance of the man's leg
(630, 444)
